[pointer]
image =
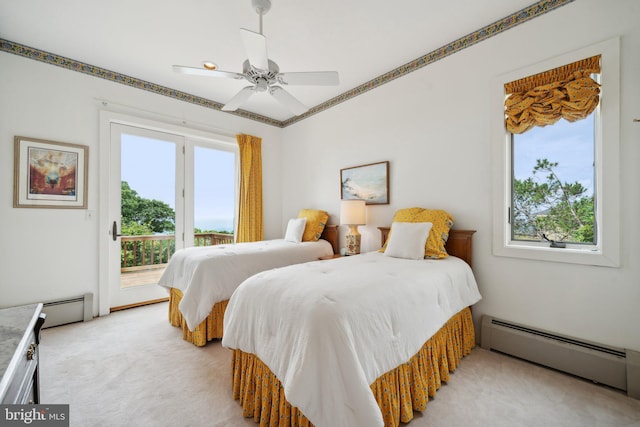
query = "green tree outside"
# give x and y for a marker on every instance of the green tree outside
(142, 216)
(560, 211)
(146, 217)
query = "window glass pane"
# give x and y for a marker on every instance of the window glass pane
(148, 171)
(149, 206)
(553, 183)
(214, 187)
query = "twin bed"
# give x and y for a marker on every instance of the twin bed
(363, 340)
(358, 341)
(200, 280)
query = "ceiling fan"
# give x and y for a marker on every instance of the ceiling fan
(263, 74)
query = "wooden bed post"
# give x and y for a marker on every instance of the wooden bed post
(330, 234)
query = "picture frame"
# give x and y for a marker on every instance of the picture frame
(368, 182)
(49, 174)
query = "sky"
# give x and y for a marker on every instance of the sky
(148, 165)
(568, 144)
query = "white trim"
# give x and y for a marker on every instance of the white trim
(607, 137)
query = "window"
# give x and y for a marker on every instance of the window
(556, 194)
(188, 183)
(214, 180)
(552, 184)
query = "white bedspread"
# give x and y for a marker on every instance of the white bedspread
(210, 274)
(328, 329)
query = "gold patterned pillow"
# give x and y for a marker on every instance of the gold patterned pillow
(442, 222)
(316, 220)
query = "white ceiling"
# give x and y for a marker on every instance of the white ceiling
(144, 38)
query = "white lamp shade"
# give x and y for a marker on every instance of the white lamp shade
(353, 212)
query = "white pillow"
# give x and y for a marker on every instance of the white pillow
(407, 240)
(295, 228)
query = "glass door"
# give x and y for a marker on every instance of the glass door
(163, 188)
(146, 210)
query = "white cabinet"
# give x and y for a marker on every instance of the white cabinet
(19, 355)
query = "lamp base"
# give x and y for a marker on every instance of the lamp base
(353, 241)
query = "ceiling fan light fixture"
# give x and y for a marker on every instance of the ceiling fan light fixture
(262, 84)
(209, 65)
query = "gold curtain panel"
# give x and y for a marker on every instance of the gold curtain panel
(250, 222)
(566, 92)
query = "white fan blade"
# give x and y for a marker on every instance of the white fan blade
(204, 72)
(288, 100)
(313, 78)
(239, 98)
(255, 44)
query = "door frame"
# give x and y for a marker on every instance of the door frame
(104, 220)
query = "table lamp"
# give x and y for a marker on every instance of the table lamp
(353, 213)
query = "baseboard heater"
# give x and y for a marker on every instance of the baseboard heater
(69, 310)
(615, 367)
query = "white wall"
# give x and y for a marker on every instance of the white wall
(48, 254)
(433, 127)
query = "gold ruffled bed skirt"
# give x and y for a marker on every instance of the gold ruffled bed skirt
(211, 328)
(398, 392)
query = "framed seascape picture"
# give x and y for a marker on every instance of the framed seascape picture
(367, 182)
(49, 174)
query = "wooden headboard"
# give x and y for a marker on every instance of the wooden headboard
(330, 234)
(459, 244)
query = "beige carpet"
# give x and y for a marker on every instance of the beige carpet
(132, 368)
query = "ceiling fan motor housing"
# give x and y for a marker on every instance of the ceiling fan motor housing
(257, 76)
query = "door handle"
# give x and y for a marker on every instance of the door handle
(114, 231)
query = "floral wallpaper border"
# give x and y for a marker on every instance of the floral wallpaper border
(504, 24)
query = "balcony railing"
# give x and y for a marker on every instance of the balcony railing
(154, 251)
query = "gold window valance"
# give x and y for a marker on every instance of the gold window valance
(566, 92)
